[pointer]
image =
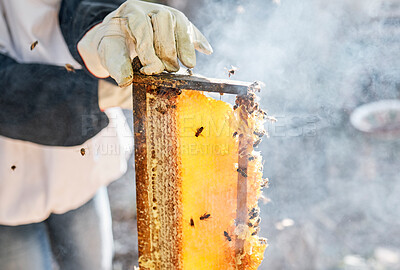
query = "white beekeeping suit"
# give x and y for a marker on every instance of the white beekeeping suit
(41, 103)
(37, 180)
(58, 148)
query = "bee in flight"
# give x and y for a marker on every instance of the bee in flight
(231, 71)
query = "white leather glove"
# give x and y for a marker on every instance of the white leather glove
(158, 34)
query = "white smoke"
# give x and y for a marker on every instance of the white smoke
(307, 52)
(319, 60)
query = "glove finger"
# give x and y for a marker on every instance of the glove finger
(164, 39)
(142, 31)
(200, 42)
(114, 56)
(184, 41)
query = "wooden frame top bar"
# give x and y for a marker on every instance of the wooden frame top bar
(194, 82)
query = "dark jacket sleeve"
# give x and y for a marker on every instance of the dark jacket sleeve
(48, 105)
(79, 16)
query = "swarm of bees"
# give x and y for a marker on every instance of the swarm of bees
(254, 212)
(248, 101)
(168, 93)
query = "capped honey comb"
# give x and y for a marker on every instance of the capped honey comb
(198, 183)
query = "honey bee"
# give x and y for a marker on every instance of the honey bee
(167, 92)
(161, 110)
(235, 134)
(256, 86)
(253, 213)
(242, 172)
(83, 151)
(191, 222)
(205, 216)
(265, 182)
(198, 132)
(189, 72)
(256, 231)
(227, 236)
(251, 158)
(263, 241)
(256, 143)
(34, 44)
(231, 71)
(259, 133)
(13, 167)
(69, 68)
(257, 222)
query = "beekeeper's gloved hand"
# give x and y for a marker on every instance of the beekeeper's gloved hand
(158, 34)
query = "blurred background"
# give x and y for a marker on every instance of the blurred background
(334, 195)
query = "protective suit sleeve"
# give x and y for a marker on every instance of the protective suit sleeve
(79, 16)
(36, 106)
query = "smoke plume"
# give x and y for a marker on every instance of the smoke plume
(319, 60)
